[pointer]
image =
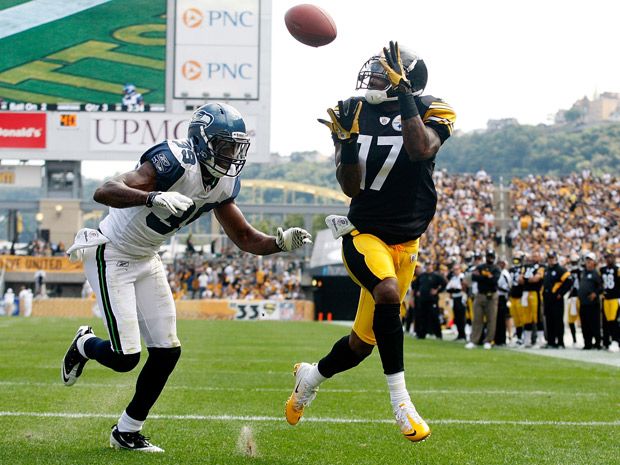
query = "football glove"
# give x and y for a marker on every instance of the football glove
(292, 239)
(174, 202)
(393, 66)
(344, 124)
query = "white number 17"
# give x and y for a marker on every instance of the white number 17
(396, 142)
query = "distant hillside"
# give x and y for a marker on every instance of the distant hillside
(522, 150)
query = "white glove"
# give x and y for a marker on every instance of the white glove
(171, 201)
(292, 238)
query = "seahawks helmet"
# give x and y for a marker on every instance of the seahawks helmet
(129, 89)
(372, 76)
(217, 132)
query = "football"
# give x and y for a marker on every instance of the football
(310, 25)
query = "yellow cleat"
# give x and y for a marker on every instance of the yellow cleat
(301, 396)
(411, 423)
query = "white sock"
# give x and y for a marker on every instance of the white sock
(80, 343)
(126, 424)
(314, 376)
(398, 388)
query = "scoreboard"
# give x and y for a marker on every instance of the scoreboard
(91, 107)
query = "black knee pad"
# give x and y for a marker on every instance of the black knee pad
(166, 358)
(386, 319)
(126, 362)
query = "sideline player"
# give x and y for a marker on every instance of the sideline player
(385, 148)
(175, 183)
(610, 274)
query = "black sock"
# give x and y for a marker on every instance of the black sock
(340, 358)
(389, 336)
(573, 332)
(98, 349)
(519, 332)
(152, 380)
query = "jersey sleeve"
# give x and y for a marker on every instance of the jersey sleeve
(437, 114)
(235, 192)
(167, 168)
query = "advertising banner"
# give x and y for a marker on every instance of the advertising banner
(137, 132)
(217, 49)
(23, 130)
(28, 263)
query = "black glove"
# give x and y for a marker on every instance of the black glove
(393, 66)
(344, 123)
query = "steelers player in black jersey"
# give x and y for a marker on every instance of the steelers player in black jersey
(385, 145)
(610, 273)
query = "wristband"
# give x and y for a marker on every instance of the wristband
(348, 153)
(150, 197)
(408, 108)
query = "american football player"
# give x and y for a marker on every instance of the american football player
(532, 280)
(385, 146)
(610, 273)
(175, 183)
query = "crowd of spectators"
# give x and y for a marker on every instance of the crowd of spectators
(573, 214)
(236, 275)
(464, 221)
(36, 248)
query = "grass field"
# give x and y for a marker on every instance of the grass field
(498, 407)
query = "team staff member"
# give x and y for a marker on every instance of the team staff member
(455, 288)
(610, 274)
(175, 183)
(503, 317)
(556, 283)
(573, 297)
(386, 145)
(590, 289)
(428, 286)
(531, 280)
(486, 276)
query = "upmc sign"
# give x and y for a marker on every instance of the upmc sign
(216, 49)
(134, 132)
(137, 132)
(23, 130)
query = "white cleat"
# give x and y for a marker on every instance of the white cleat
(302, 395)
(411, 423)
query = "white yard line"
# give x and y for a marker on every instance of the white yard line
(32, 14)
(444, 421)
(467, 392)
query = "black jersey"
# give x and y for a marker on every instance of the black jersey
(516, 289)
(532, 270)
(611, 281)
(575, 274)
(397, 200)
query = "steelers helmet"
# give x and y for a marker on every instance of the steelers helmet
(373, 77)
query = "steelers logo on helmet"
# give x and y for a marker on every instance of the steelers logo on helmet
(220, 141)
(372, 76)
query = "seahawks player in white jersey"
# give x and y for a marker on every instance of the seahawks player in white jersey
(176, 182)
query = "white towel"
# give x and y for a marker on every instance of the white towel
(85, 239)
(339, 225)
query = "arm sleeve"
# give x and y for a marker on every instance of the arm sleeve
(168, 169)
(235, 192)
(438, 115)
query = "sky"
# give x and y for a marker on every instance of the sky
(488, 59)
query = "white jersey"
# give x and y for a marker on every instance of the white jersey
(140, 231)
(133, 99)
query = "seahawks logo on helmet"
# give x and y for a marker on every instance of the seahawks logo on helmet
(201, 116)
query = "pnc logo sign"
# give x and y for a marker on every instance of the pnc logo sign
(192, 17)
(191, 70)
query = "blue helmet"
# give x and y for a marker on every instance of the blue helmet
(217, 132)
(129, 89)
